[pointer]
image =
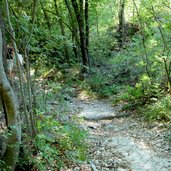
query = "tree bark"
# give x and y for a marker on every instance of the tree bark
(12, 115)
(121, 23)
(62, 32)
(79, 16)
(87, 28)
(75, 40)
(87, 22)
(12, 33)
(29, 81)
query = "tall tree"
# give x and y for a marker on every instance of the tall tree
(121, 23)
(29, 87)
(10, 106)
(80, 19)
(62, 30)
(75, 40)
(87, 24)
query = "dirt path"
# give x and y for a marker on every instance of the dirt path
(120, 143)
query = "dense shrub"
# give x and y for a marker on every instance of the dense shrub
(161, 110)
(56, 145)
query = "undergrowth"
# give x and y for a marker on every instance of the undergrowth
(56, 145)
(59, 141)
(160, 110)
(137, 91)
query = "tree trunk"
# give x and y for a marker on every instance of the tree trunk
(12, 116)
(97, 22)
(75, 40)
(143, 40)
(121, 23)
(62, 32)
(29, 81)
(79, 16)
(45, 15)
(87, 22)
(18, 66)
(87, 28)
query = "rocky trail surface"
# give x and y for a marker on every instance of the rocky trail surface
(119, 141)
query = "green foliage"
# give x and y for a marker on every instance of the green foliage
(125, 65)
(4, 166)
(99, 84)
(97, 81)
(161, 110)
(144, 92)
(111, 90)
(59, 140)
(148, 88)
(56, 144)
(134, 74)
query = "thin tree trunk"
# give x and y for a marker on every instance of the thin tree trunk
(45, 15)
(29, 81)
(160, 30)
(75, 40)
(167, 70)
(166, 66)
(87, 28)
(97, 23)
(121, 23)
(143, 40)
(62, 31)
(87, 22)
(4, 52)
(79, 16)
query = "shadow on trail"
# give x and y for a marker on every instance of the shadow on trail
(119, 143)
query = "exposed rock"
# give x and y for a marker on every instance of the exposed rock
(100, 110)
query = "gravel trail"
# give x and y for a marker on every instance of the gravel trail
(122, 142)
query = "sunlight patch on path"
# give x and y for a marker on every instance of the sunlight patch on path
(97, 111)
(139, 155)
(120, 143)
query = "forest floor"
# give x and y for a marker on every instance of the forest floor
(119, 141)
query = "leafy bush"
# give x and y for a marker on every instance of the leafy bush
(56, 145)
(59, 140)
(111, 90)
(161, 110)
(96, 82)
(144, 92)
